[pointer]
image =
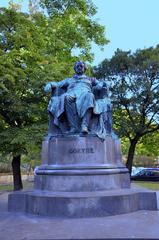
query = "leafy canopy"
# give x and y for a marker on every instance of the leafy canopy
(134, 80)
(134, 83)
(35, 49)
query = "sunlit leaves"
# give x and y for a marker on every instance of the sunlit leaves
(134, 83)
(35, 49)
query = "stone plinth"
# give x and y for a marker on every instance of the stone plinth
(82, 204)
(81, 151)
(81, 177)
(81, 164)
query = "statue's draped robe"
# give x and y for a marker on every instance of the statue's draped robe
(81, 88)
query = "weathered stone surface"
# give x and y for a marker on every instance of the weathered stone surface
(76, 150)
(81, 177)
(86, 204)
(83, 182)
(78, 163)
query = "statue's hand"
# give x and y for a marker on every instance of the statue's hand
(48, 87)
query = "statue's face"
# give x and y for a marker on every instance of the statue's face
(79, 68)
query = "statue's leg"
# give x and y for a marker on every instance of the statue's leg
(109, 120)
(52, 128)
(86, 121)
(71, 113)
(88, 104)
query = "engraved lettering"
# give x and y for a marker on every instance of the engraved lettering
(81, 150)
(70, 150)
(87, 150)
(91, 150)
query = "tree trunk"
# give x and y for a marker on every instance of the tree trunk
(17, 173)
(131, 153)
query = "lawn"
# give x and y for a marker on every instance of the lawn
(9, 187)
(148, 185)
(27, 184)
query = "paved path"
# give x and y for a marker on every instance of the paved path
(141, 224)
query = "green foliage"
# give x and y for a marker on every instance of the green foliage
(5, 162)
(125, 145)
(22, 102)
(144, 161)
(74, 27)
(148, 145)
(147, 151)
(134, 83)
(134, 80)
(15, 5)
(59, 7)
(35, 49)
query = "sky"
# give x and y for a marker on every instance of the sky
(130, 25)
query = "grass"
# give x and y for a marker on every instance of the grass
(9, 187)
(27, 184)
(148, 185)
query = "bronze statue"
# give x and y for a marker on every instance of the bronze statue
(79, 105)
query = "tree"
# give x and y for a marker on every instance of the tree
(146, 152)
(134, 80)
(34, 49)
(33, 7)
(21, 97)
(148, 145)
(74, 25)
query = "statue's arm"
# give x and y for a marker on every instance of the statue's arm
(56, 87)
(64, 83)
(101, 88)
(99, 84)
(50, 86)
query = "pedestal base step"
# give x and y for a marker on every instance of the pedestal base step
(82, 204)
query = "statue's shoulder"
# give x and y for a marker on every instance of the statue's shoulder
(67, 79)
(93, 80)
(64, 83)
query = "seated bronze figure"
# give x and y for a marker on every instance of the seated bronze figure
(79, 105)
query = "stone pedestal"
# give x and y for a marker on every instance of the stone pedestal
(81, 176)
(75, 164)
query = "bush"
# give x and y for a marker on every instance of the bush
(144, 161)
(5, 168)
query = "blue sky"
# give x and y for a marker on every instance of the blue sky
(130, 25)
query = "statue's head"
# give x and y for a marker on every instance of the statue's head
(80, 67)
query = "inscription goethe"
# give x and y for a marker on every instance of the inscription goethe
(81, 150)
